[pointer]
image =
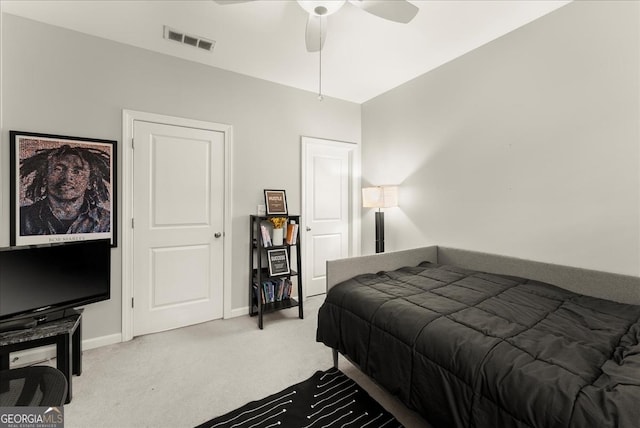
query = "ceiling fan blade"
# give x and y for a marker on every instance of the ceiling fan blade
(394, 10)
(316, 32)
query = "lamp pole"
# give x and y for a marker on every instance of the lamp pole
(380, 197)
(379, 231)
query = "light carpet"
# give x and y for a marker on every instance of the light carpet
(182, 377)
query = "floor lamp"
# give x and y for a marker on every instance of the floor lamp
(380, 197)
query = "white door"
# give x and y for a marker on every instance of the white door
(178, 214)
(327, 179)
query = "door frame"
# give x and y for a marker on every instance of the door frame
(128, 119)
(354, 193)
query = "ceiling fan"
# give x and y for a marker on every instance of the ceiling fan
(393, 10)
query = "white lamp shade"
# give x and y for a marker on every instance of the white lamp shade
(380, 197)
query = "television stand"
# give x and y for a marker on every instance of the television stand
(20, 324)
(64, 332)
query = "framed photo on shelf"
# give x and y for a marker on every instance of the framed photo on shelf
(275, 202)
(278, 262)
(63, 189)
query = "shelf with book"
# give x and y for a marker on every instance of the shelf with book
(273, 293)
(274, 267)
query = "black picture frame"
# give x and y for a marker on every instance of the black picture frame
(275, 202)
(83, 179)
(278, 261)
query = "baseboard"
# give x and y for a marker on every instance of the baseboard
(97, 342)
(44, 354)
(238, 312)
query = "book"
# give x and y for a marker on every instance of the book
(280, 290)
(290, 230)
(294, 239)
(259, 294)
(266, 238)
(286, 292)
(270, 292)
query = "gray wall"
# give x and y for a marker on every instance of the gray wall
(63, 82)
(527, 146)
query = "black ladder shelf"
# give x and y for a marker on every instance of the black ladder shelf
(259, 272)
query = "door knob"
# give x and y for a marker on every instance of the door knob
(217, 234)
(308, 229)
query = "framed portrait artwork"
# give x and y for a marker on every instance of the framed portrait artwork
(275, 202)
(63, 189)
(278, 262)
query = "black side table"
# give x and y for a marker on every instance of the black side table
(64, 333)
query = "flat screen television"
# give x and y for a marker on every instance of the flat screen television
(39, 282)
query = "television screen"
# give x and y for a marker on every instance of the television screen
(49, 277)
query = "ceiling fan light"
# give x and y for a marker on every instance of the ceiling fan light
(321, 7)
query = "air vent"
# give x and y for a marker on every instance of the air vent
(188, 39)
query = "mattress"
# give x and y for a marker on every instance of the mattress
(472, 349)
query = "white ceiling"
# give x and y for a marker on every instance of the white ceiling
(363, 55)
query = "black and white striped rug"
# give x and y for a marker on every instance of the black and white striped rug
(328, 399)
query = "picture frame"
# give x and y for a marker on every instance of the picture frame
(63, 189)
(278, 261)
(275, 202)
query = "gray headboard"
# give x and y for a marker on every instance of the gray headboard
(605, 285)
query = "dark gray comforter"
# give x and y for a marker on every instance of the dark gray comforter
(472, 349)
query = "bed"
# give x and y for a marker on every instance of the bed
(471, 339)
